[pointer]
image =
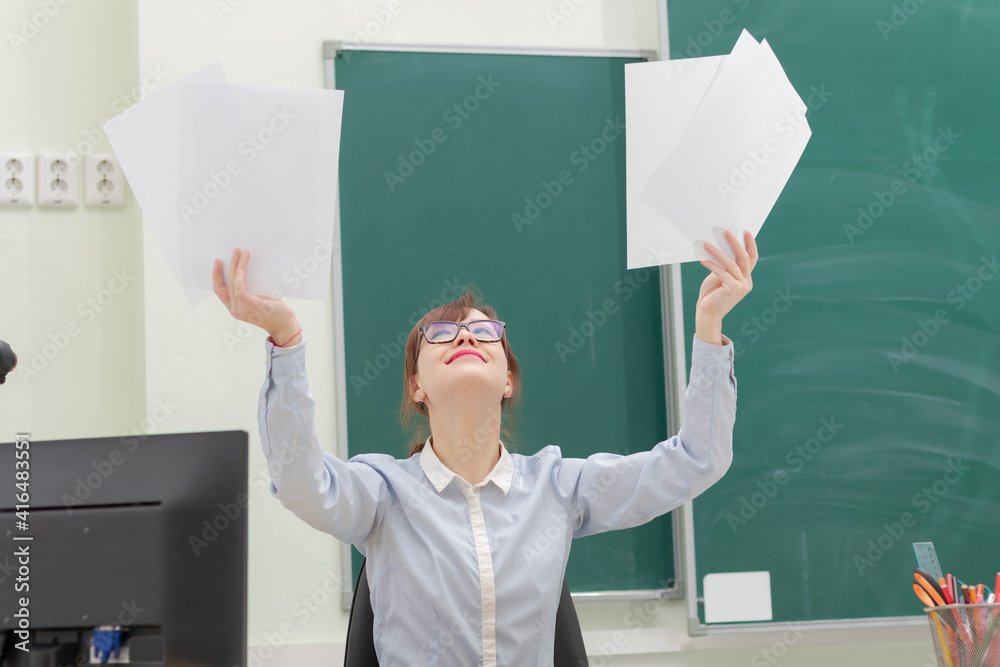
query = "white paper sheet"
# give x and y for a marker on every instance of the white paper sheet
(216, 165)
(737, 597)
(660, 98)
(146, 139)
(727, 73)
(711, 143)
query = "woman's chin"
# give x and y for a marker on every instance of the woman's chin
(473, 386)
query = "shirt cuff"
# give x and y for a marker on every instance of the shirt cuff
(713, 359)
(286, 359)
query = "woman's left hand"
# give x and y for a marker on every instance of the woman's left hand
(725, 286)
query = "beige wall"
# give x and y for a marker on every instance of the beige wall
(149, 347)
(80, 371)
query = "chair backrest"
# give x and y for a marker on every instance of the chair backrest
(569, 650)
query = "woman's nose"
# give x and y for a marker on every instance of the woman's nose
(464, 335)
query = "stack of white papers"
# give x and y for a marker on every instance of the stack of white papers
(710, 144)
(215, 165)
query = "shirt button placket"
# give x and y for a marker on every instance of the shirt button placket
(486, 581)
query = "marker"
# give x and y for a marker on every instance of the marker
(943, 583)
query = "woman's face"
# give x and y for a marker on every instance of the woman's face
(462, 367)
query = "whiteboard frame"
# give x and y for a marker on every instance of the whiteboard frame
(331, 49)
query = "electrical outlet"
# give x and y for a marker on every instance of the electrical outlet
(104, 182)
(57, 183)
(17, 180)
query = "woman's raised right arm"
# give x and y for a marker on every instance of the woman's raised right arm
(344, 499)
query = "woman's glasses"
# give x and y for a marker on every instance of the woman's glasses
(486, 331)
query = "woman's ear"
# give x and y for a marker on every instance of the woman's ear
(416, 393)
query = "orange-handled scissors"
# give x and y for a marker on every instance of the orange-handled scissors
(922, 594)
(929, 586)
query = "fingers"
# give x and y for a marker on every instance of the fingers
(247, 301)
(234, 293)
(233, 261)
(716, 269)
(742, 258)
(232, 265)
(746, 256)
(217, 285)
(244, 260)
(251, 304)
(732, 268)
(240, 280)
(751, 249)
(711, 282)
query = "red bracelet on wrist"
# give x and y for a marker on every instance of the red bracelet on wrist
(287, 341)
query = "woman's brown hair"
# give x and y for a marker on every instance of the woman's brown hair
(413, 415)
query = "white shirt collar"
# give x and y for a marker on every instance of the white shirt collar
(441, 475)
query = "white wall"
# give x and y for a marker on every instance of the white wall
(79, 371)
(150, 346)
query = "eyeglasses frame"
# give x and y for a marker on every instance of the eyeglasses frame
(423, 334)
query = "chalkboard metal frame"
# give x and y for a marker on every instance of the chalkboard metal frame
(670, 307)
(904, 628)
(332, 48)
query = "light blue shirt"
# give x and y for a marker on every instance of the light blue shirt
(466, 575)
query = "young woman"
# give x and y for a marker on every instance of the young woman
(467, 543)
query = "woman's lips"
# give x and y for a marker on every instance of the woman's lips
(463, 353)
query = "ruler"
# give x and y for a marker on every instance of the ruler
(927, 558)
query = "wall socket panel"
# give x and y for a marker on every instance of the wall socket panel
(104, 182)
(57, 182)
(17, 180)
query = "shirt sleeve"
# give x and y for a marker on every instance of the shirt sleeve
(611, 492)
(346, 499)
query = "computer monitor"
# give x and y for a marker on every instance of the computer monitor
(146, 532)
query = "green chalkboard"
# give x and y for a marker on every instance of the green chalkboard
(506, 172)
(868, 352)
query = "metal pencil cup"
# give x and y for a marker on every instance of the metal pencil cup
(966, 635)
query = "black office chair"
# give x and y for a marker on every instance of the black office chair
(360, 650)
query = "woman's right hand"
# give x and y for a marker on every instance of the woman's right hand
(267, 312)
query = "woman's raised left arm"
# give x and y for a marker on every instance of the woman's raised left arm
(610, 492)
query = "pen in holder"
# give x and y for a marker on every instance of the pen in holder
(966, 635)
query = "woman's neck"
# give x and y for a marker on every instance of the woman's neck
(467, 441)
